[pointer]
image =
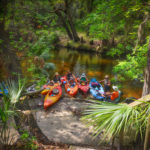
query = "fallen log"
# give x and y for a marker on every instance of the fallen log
(33, 92)
(140, 101)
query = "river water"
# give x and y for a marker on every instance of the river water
(93, 65)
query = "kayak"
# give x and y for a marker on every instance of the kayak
(84, 87)
(48, 88)
(5, 91)
(72, 90)
(52, 98)
(63, 79)
(96, 89)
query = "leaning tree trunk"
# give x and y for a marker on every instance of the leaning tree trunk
(62, 19)
(74, 33)
(70, 21)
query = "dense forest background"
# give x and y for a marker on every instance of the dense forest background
(118, 29)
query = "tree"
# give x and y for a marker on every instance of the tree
(62, 10)
(12, 63)
(146, 86)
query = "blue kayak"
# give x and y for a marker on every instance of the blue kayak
(5, 91)
(96, 89)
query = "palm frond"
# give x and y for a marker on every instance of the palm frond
(15, 88)
(114, 118)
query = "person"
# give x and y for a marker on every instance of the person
(72, 82)
(83, 79)
(107, 84)
(57, 77)
(69, 75)
(115, 95)
(51, 83)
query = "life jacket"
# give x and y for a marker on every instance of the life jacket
(83, 78)
(114, 95)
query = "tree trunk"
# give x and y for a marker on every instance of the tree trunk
(58, 13)
(89, 5)
(74, 33)
(68, 14)
(8, 56)
(146, 90)
(141, 32)
(3, 12)
(146, 86)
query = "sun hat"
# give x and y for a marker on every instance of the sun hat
(106, 76)
(56, 73)
(83, 75)
(115, 88)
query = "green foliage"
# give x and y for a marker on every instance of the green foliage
(133, 66)
(15, 89)
(107, 19)
(112, 119)
(7, 109)
(45, 42)
(29, 141)
(119, 50)
(40, 75)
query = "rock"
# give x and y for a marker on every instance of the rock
(63, 126)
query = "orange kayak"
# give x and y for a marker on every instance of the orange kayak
(48, 88)
(51, 99)
(72, 90)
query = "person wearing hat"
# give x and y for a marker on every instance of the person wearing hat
(83, 78)
(115, 95)
(72, 82)
(107, 84)
(57, 77)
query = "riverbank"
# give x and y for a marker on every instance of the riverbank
(59, 127)
(85, 44)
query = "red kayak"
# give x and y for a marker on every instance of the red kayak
(84, 88)
(52, 97)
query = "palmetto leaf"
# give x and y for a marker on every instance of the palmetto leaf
(15, 89)
(114, 118)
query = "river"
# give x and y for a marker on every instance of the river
(93, 65)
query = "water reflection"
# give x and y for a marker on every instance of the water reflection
(93, 65)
